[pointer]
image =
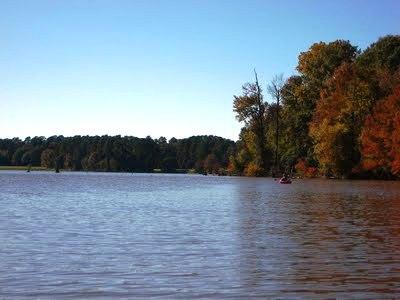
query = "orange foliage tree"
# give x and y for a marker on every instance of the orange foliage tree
(304, 169)
(381, 136)
(337, 120)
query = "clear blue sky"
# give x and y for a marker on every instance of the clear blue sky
(159, 68)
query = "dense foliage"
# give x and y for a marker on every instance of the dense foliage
(116, 153)
(339, 116)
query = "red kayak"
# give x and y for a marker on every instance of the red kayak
(285, 181)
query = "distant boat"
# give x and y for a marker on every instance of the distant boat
(284, 180)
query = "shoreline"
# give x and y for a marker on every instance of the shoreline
(182, 171)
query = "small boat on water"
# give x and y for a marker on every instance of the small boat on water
(284, 180)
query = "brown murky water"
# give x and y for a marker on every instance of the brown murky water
(96, 235)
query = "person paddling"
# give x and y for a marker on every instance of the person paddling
(285, 179)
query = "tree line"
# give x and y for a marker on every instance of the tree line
(338, 116)
(115, 153)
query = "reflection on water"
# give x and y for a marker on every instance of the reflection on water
(321, 238)
(80, 235)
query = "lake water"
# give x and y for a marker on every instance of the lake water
(107, 235)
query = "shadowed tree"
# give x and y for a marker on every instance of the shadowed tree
(275, 91)
(296, 114)
(211, 164)
(383, 54)
(47, 158)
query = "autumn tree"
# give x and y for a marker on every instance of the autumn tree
(322, 59)
(301, 93)
(381, 137)
(337, 121)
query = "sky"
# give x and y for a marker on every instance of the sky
(158, 68)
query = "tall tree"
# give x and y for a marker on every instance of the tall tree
(301, 93)
(250, 108)
(275, 91)
(337, 121)
(297, 112)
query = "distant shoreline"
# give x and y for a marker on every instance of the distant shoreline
(37, 168)
(177, 171)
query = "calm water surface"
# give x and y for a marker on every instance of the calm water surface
(97, 235)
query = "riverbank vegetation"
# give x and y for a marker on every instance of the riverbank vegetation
(339, 116)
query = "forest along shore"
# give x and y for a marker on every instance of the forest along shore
(337, 118)
(202, 154)
(30, 168)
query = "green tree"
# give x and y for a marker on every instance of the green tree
(297, 111)
(275, 91)
(250, 108)
(383, 54)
